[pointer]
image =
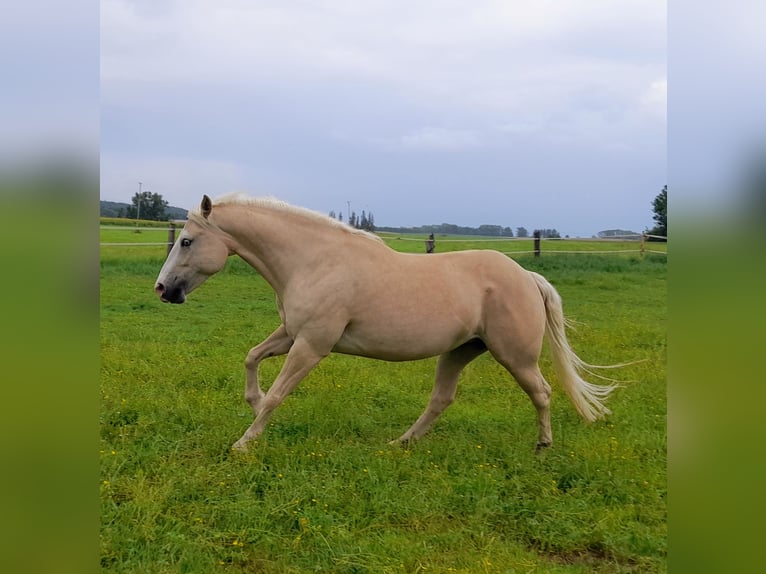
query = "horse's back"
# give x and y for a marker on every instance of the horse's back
(478, 272)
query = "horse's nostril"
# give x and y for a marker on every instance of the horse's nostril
(159, 288)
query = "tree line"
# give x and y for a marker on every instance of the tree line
(366, 221)
(152, 206)
(452, 229)
(484, 230)
(659, 208)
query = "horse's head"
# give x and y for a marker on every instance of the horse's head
(199, 253)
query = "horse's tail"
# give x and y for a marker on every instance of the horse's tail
(587, 398)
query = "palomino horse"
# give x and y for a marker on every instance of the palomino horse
(345, 291)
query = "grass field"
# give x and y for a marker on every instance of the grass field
(322, 491)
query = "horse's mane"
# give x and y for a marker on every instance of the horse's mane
(239, 198)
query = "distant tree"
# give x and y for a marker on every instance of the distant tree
(549, 233)
(490, 230)
(352, 219)
(522, 232)
(507, 232)
(616, 233)
(147, 205)
(340, 217)
(366, 221)
(450, 228)
(660, 208)
(332, 214)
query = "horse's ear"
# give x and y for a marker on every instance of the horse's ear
(206, 206)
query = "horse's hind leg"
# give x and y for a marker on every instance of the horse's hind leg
(539, 391)
(447, 371)
(278, 343)
(537, 388)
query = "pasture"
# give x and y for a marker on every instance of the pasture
(322, 491)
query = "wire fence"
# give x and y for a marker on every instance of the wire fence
(642, 241)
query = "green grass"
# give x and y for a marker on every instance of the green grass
(322, 490)
(124, 222)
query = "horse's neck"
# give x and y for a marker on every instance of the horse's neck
(275, 243)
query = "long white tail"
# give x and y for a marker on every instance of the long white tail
(587, 398)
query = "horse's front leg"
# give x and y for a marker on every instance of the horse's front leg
(301, 358)
(278, 343)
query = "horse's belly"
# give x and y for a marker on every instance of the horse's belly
(400, 343)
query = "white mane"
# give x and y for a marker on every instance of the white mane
(239, 198)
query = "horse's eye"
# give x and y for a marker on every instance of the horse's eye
(185, 242)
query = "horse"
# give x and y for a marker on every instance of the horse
(342, 290)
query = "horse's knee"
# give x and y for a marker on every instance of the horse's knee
(253, 396)
(539, 391)
(251, 361)
(542, 398)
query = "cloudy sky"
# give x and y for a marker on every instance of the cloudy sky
(535, 114)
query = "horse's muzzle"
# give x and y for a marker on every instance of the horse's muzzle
(176, 294)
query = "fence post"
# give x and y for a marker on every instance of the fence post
(643, 244)
(537, 243)
(430, 244)
(171, 236)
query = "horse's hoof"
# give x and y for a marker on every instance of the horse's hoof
(541, 446)
(402, 442)
(239, 446)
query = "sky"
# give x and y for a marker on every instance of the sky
(537, 114)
